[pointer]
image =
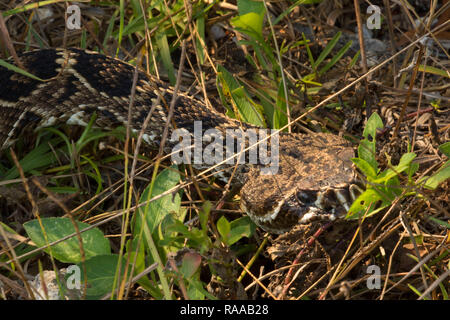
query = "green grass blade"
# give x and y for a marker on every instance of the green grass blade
(327, 50)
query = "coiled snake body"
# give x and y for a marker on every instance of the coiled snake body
(314, 176)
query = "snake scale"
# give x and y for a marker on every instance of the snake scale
(315, 176)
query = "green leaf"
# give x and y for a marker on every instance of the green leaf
(442, 175)
(223, 226)
(434, 70)
(239, 228)
(246, 6)
(193, 290)
(354, 60)
(100, 274)
(249, 111)
(251, 18)
(155, 211)
(372, 125)
(197, 292)
(136, 254)
(404, 164)
(268, 106)
(366, 168)
(68, 251)
(250, 24)
(190, 263)
(370, 197)
(366, 148)
(366, 152)
(196, 238)
(445, 148)
(200, 44)
(204, 215)
(19, 249)
(405, 160)
(440, 222)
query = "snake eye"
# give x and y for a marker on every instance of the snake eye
(306, 197)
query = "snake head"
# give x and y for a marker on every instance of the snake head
(316, 180)
(278, 213)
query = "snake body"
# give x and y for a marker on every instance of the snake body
(314, 178)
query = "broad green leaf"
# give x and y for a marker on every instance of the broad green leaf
(250, 23)
(251, 17)
(366, 152)
(195, 238)
(239, 228)
(68, 251)
(268, 106)
(246, 6)
(372, 125)
(155, 211)
(190, 263)
(405, 160)
(223, 226)
(366, 168)
(370, 197)
(412, 169)
(366, 148)
(197, 292)
(193, 292)
(404, 163)
(100, 273)
(249, 110)
(137, 255)
(443, 173)
(19, 249)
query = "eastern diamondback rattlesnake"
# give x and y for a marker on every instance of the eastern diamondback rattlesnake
(314, 174)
